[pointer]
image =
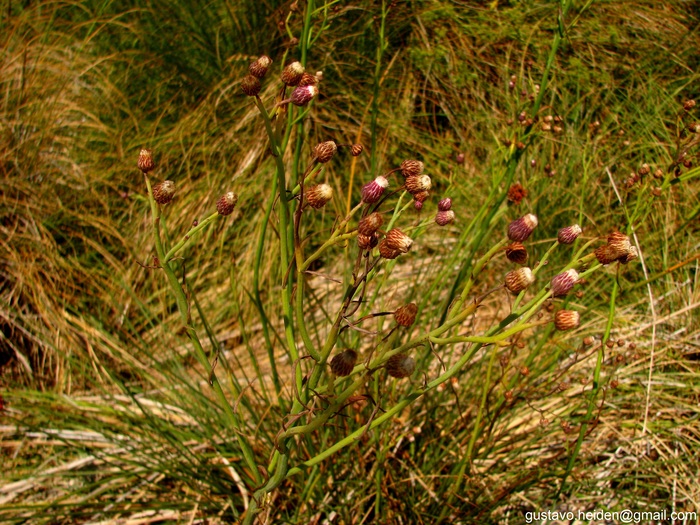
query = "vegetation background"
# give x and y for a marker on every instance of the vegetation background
(91, 339)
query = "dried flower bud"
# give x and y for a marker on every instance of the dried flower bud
(373, 191)
(324, 151)
(618, 244)
(443, 218)
(689, 104)
(367, 242)
(631, 255)
(566, 320)
(307, 79)
(604, 255)
(421, 196)
(398, 240)
(400, 366)
(520, 229)
(227, 203)
(370, 224)
(250, 85)
(292, 73)
(357, 149)
(569, 234)
(412, 168)
(644, 169)
(518, 280)
(163, 192)
(563, 283)
(145, 162)
(259, 68)
(445, 204)
(387, 252)
(302, 95)
(318, 196)
(516, 253)
(460, 158)
(343, 363)
(406, 315)
(418, 183)
(418, 205)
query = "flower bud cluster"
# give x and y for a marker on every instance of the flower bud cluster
(618, 248)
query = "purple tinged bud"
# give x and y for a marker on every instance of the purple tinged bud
(418, 205)
(520, 229)
(563, 283)
(372, 191)
(445, 204)
(302, 95)
(443, 218)
(569, 234)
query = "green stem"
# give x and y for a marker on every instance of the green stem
(190, 235)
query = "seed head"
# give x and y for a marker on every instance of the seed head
(318, 196)
(387, 252)
(302, 95)
(357, 149)
(145, 162)
(398, 240)
(324, 151)
(250, 85)
(569, 234)
(445, 204)
(516, 253)
(689, 104)
(443, 218)
(259, 68)
(406, 315)
(644, 169)
(367, 242)
(373, 191)
(400, 366)
(370, 224)
(226, 203)
(562, 283)
(566, 320)
(631, 255)
(518, 280)
(292, 73)
(343, 363)
(163, 192)
(418, 183)
(412, 168)
(520, 229)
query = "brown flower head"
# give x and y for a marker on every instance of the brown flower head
(259, 68)
(400, 366)
(343, 363)
(318, 196)
(412, 168)
(367, 242)
(518, 280)
(163, 192)
(418, 183)
(398, 240)
(302, 95)
(250, 85)
(292, 73)
(566, 320)
(324, 151)
(445, 204)
(516, 193)
(443, 218)
(516, 253)
(226, 203)
(406, 315)
(370, 224)
(357, 149)
(387, 252)
(145, 162)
